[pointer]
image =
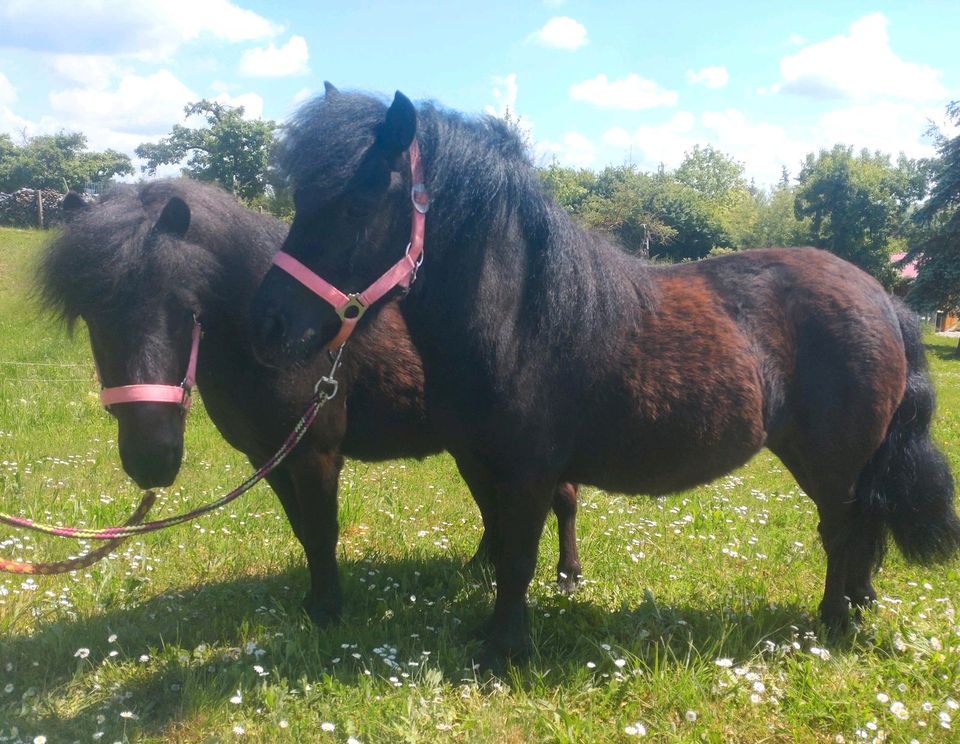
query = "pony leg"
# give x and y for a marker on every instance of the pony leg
(315, 477)
(835, 529)
(852, 542)
(864, 553)
(565, 507)
(484, 494)
(521, 510)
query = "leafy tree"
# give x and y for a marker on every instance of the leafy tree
(7, 148)
(620, 204)
(858, 205)
(568, 187)
(57, 161)
(937, 249)
(733, 203)
(640, 210)
(710, 172)
(777, 223)
(230, 150)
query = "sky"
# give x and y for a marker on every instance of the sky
(593, 83)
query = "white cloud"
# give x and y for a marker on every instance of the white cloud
(886, 126)
(763, 148)
(138, 105)
(251, 102)
(709, 77)
(859, 66)
(273, 61)
(8, 94)
(145, 29)
(632, 92)
(654, 144)
(617, 137)
(302, 95)
(505, 91)
(89, 70)
(574, 150)
(505, 94)
(561, 33)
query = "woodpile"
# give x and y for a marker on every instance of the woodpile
(19, 209)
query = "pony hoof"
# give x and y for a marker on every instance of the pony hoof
(495, 658)
(567, 581)
(319, 614)
(480, 562)
(862, 600)
(835, 620)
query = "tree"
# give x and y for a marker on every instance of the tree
(642, 211)
(777, 223)
(230, 150)
(568, 187)
(57, 161)
(734, 204)
(937, 249)
(859, 206)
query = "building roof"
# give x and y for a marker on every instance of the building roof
(907, 271)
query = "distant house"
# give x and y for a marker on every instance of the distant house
(946, 320)
(907, 273)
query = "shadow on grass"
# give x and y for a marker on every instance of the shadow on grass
(942, 352)
(198, 641)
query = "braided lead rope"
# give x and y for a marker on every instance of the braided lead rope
(111, 533)
(74, 564)
(325, 389)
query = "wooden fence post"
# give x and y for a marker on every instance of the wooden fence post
(40, 209)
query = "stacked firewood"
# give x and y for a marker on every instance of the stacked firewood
(19, 209)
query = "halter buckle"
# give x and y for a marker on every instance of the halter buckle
(415, 268)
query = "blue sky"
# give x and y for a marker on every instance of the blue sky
(594, 83)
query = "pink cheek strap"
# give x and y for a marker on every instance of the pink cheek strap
(153, 393)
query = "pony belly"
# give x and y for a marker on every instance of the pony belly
(675, 442)
(652, 469)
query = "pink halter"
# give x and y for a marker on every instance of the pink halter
(351, 307)
(179, 394)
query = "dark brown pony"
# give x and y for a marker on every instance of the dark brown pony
(551, 355)
(141, 264)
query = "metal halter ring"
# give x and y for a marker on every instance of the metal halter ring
(354, 304)
(332, 387)
(418, 195)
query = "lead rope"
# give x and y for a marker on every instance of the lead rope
(324, 391)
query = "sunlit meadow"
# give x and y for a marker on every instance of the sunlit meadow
(695, 620)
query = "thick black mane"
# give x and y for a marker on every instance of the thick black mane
(98, 262)
(486, 197)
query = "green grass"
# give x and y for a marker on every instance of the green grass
(197, 630)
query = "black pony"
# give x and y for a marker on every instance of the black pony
(550, 355)
(142, 264)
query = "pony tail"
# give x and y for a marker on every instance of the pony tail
(907, 483)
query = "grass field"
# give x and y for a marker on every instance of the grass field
(695, 621)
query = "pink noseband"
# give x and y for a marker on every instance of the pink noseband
(350, 307)
(178, 394)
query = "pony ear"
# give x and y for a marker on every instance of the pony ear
(175, 218)
(398, 127)
(329, 89)
(72, 205)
